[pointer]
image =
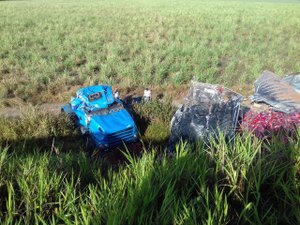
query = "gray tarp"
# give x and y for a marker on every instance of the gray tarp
(294, 81)
(282, 94)
(207, 110)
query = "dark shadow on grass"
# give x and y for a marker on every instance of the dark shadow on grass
(141, 121)
(57, 144)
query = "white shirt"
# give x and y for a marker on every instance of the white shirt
(147, 93)
(117, 94)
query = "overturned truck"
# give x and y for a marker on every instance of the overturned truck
(101, 118)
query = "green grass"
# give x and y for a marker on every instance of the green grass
(153, 119)
(247, 183)
(48, 47)
(55, 182)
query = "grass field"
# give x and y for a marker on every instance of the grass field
(248, 182)
(48, 47)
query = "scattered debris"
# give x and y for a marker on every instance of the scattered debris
(282, 118)
(211, 109)
(282, 94)
(268, 124)
(208, 109)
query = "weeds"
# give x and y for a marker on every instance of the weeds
(37, 130)
(248, 182)
(153, 119)
(51, 46)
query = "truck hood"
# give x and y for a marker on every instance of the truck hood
(114, 122)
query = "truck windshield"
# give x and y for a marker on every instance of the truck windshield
(115, 107)
(94, 96)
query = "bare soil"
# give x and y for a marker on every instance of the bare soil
(12, 108)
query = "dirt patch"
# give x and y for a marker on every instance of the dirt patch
(11, 102)
(255, 107)
(10, 113)
(15, 112)
(52, 103)
(176, 93)
(243, 89)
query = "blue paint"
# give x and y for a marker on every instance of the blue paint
(102, 117)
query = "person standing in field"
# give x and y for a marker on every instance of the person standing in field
(117, 94)
(147, 95)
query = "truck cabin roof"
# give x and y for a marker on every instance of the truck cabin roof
(99, 96)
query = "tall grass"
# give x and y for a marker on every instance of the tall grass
(153, 119)
(37, 128)
(50, 46)
(47, 47)
(248, 182)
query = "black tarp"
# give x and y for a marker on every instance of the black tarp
(207, 110)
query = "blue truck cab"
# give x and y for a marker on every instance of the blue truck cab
(101, 117)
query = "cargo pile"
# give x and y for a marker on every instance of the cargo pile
(209, 110)
(268, 124)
